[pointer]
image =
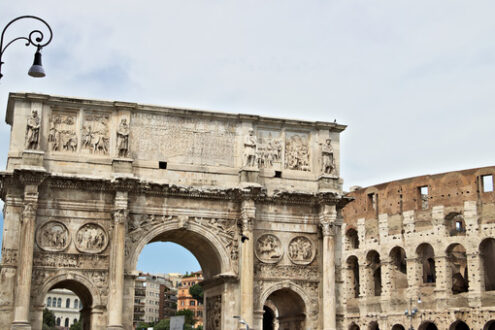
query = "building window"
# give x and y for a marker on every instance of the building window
(59, 302)
(423, 197)
(67, 322)
(67, 303)
(49, 302)
(76, 303)
(54, 302)
(58, 321)
(192, 303)
(487, 183)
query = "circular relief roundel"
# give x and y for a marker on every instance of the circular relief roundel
(301, 250)
(53, 236)
(268, 249)
(91, 238)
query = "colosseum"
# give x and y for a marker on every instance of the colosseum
(419, 253)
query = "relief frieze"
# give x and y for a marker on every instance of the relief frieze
(301, 250)
(269, 149)
(62, 135)
(293, 272)
(297, 151)
(95, 136)
(182, 140)
(70, 260)
(9, 256)
(91, 238)
(53, 236)
(214, 312)
(268, 249)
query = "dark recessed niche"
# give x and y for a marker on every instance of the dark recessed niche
(278, 174)
(162, 165)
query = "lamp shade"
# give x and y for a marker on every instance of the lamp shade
(36, 69)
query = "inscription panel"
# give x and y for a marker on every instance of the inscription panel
(182, 140)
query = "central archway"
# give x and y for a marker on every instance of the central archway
(214, 251)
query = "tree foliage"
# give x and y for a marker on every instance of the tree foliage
(48, 320)
(196, 291)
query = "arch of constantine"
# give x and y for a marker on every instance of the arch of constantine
(89, 183)
(257, 200)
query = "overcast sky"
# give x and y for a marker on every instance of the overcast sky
(414, 81)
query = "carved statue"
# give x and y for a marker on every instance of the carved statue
(250, 149)
(33, 131)
(328, 162)
(214, 312)
(123, 138)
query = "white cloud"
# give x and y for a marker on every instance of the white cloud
(413, 80)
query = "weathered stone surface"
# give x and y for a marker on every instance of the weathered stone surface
(90, 183)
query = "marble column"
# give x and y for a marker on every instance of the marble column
(117, 254)
(247, 262)
(327, 223)
(25, 260)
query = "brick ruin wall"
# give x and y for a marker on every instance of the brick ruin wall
(429, 237)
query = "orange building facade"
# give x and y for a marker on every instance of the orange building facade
(186, 301)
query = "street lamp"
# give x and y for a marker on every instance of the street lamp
(241, 321)
(34, 38)
(410, 312)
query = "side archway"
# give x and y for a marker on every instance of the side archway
(490, 325)
(459, 325)
(290, 302)
(427, 325)
(88, 294)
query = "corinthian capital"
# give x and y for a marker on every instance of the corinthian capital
(327, 228)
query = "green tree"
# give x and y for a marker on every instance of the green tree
(163, 324)
(196, 291)
(48, 320)
(76, 326)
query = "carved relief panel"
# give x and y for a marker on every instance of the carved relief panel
(268, 249)
(62, 135)
(269, 149)
(213, 313)
(301, 250)
(297, 152)
(53, 236)
(195, 141)
(91, 238)
(95, 136)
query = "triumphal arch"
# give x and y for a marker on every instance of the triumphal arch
(89, 183)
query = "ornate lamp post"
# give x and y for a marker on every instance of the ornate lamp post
(410, 312)
(34, 38)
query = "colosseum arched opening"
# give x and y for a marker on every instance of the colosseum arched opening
(457, 261)
(426, 259)
(374, 273)
(487, 254)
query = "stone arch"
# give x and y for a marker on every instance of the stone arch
(352, 276)
(427, 325)
(373, 326)
(487, 254)
(354, 326)
(426, 259)
(490, 325)
(199, 240)
(352, 239)
(82, 287)
(459, 325)
(398, 327)
(399, 267)
(457, 263)
(374, 274)
(270, 316)
(291, 302)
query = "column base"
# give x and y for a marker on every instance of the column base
(17, 325)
